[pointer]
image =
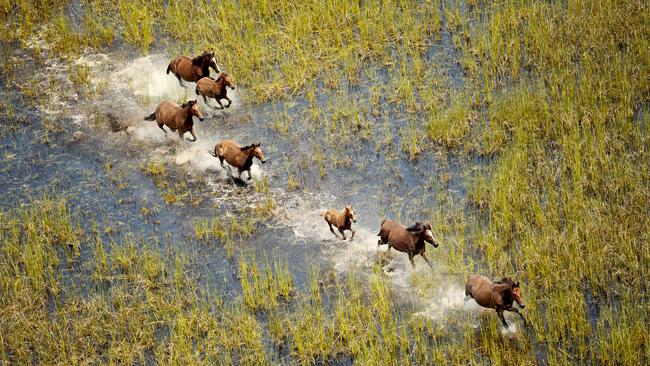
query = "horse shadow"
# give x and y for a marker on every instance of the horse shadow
(237, 181)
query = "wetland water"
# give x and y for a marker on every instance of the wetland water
(411, 136)
(111, 130)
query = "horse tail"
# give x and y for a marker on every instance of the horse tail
(169, 67)
(151, 117)
(213, 153)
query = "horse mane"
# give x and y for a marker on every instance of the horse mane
(415, 227)
(198, 60)
(187, 104)
(246, 147)
(506, 281)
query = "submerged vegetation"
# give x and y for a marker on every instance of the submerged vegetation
(543, 105)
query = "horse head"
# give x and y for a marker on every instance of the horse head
(207, 58)
(194, 109)
(423, 230)
(349, 212)
(227, 79)
(516, 294)
(258, 153)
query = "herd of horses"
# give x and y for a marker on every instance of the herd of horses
(500, 295)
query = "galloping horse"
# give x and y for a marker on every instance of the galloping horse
(343, 221)
(410, 240)
(193, 69)
(237, 156)
(176, 117)
(207, 87)
(499, 295)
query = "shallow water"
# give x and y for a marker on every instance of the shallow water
(112, 130)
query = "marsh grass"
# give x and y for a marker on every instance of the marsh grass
(551, 96)
(146, 305)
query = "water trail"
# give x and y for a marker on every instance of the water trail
(139, 85)
(145, 77)
(435, 293)
(477, 311)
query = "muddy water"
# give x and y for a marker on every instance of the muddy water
(106, 128)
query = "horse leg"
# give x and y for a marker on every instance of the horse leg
(180, 81)
(515, 310)
(342, 234)
(180, 133)
(503, 320)
(218, 101)
(424, 255)
(229, 101)
(249, 174)
(332, 230)
(205, 100)
(193, 135)
(161, 125)
(411, 259)
(352, 237)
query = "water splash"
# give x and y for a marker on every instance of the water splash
(137, 86)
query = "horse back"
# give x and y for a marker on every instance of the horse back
(330, 216)
(480, 288)
(182, 66)
(205, 86)
(166, 112)
(231, 151)
(398, 236)
(384, 230)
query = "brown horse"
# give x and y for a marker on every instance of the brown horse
(193, 69)
(176, 117)
(499, 295)
(343, 221)
(207, 87)
(410, 240)
(237, 156)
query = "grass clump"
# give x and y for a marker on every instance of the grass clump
(452, 125)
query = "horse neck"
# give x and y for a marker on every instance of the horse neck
(344, 218)
(205, 69)
(505, 291)
(221, 84)
(186, 113)
(418, 238)
(248, 156)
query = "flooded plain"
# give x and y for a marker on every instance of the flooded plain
(255, 257)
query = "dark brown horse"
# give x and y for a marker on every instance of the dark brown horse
(176, 117)
(410, 240)
(498, 295)
(193, 69)
(237, 156)
(209, 88)
(343, 221)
